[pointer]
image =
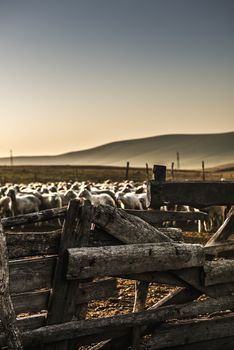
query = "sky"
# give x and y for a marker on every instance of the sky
(76, 74)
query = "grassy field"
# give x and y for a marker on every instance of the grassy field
(26, 174)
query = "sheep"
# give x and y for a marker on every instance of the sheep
(129, 200)
(68, 195)
(50, 201)
(6, 207)
(23, 203)
(144, 200)
(96, 199)
(110, 193)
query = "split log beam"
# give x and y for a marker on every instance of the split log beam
(99, 238)
(30, 274)
(136, 230)
(23, 244)
(195, 277)
(158, 216)
(187, 332)
(219, 271)
(132, 258)
(224, 250)
(31, 218)
(226, 343)
(38, 302)
(193, 193)
(104, 326)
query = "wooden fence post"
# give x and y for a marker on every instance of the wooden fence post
(178, 160)
(159, 173)
(172, 170)
(141, 287)
(203, 171)
(62, 305)
(127, 171)
(7, 313)
(147, 171)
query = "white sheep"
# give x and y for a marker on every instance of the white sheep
(23, 203)
(96, 199)
(129, 200)
(50, 201)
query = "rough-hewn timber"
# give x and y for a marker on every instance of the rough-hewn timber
(132, 258)
(103, 326)
(193, 193)
(113, 220)
(7, 312)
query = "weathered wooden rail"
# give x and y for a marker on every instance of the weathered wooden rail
(48, 279)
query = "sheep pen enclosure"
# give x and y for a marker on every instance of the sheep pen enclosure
(49, 279)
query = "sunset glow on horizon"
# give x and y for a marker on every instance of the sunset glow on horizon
(78, 74)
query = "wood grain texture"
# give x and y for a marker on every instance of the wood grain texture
(126, 227)
(23, 244)
(104, 326)
(30, 274)
(132, 258)
(7, 312)
(193, 193)
(159, 216)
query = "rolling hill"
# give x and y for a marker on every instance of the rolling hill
(214, 149)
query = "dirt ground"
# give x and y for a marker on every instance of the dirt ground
(123, 303)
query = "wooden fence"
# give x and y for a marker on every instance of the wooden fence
(48, 278)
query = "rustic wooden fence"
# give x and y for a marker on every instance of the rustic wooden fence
(49, 277)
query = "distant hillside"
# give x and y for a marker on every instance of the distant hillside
(214, 149)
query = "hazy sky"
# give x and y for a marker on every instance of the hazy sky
(79, 73)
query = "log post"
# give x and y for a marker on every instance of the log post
(7, 313)
(62, 304)
(141, 287)
(159, 173)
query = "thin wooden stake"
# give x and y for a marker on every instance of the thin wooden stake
(147, 171)
(141, 291)
(127, 171)
(203, 171)
(172, 170)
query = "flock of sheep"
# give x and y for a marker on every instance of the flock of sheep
(23, 199)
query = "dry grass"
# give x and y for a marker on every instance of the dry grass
(26, 174)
